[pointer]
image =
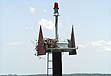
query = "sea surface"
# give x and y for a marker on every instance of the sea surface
(62, 75)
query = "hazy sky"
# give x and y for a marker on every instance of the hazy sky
(19, 28)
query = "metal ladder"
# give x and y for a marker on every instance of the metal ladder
(49, 67)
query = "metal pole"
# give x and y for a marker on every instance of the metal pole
(47, 63)
(56, 26)
(56, 56)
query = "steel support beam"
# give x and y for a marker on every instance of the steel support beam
(57, 63)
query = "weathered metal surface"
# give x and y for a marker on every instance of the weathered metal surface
(62, 44)
(60, 49)
(39, 48)
(57, 63)
(72, 43)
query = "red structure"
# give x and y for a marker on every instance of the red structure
(40, 49)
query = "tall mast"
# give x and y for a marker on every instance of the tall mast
(56, 14)
(56, 56)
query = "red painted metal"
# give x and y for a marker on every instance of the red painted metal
(40, 50)
(56, 5)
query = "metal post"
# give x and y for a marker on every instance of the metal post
(56, 56)
(47, 64)
(56, 26)
(57, 64)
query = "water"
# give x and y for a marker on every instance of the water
(63, 75)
